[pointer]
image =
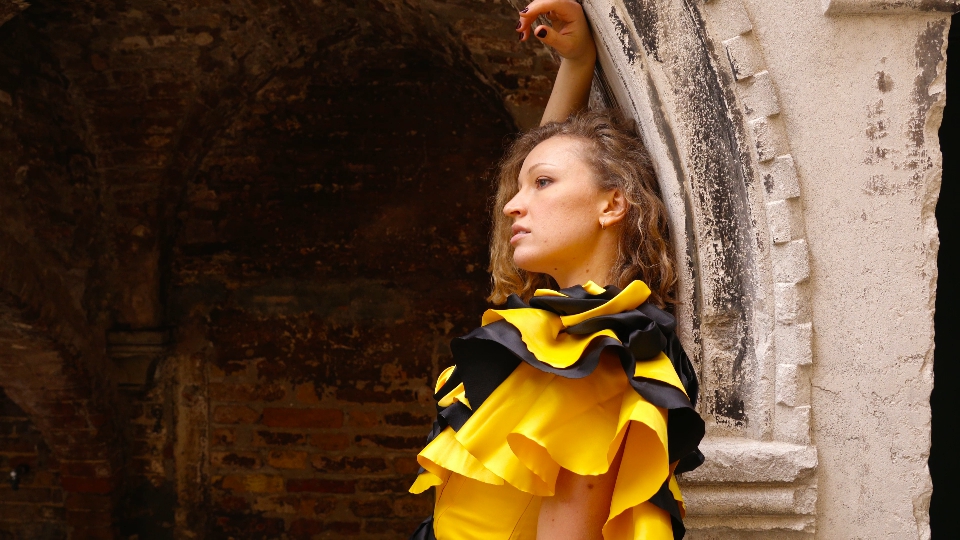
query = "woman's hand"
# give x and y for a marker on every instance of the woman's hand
(570, 36)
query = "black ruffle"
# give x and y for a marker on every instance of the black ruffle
(486, 356)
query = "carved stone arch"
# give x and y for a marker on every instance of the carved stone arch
(693, 78)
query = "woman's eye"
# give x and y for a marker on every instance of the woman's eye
(542, 182)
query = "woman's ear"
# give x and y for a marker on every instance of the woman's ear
(615, 207)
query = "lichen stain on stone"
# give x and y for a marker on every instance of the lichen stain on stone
(929, 55)
(717, 189)
(646, 20)
(884, 82)
(626, 39)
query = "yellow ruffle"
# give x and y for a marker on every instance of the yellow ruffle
(543, 332)
(536, 423)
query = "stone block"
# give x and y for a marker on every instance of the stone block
(739, 461)
(736, 499)
(783, 220)
(744, 56)
(792, 424)
(790, 300)
(759, 96)
(794, 344)
(727, 18)
(791, 261)
(886, 7)
(793, 385)
(767, 138)
(780, 179)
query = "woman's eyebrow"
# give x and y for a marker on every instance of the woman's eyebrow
(541, 164)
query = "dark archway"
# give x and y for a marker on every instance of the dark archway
(945, 399)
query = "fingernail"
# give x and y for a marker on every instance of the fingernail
(524, 10)
(542, 33)
(519, 24)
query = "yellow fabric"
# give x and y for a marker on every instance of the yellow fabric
(457, 394)
(492, 474)
(443, 378)
(661, 369)
(542, 331)
(630, 297)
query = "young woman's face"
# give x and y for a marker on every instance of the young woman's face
(557, 210)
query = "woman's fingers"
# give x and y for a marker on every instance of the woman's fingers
(546, 35)
(563, 10)
(569, 34)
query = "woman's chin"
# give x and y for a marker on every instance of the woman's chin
(530, 264)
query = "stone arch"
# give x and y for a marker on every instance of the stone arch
(693, 78)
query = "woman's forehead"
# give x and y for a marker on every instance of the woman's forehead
(557, 151)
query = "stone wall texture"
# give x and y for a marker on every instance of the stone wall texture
(236, 238)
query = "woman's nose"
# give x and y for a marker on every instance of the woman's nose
(514, 206)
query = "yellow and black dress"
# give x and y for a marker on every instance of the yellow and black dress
(530, 394)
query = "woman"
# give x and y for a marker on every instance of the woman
(569, 412)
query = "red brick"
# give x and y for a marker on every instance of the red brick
(412, 505)
(235, 415)
(90, 469)
(239, 460)
(330, 441)
(406, 465)
(232, 503)
(254, 483)
(364, 419)
(283, 459)
(350, 464)
(316, 506)
(243, 393)
(347, 528)
(274, 438)
(306, 528)
(367, 396)
(307, 394)
(372, 508)
(408, 419)
(87, 501)
(93, 533)
(402, 527)
(87, 485)
(319, 485)
(396, 442)
(86, 518)
(384, 485)
(28, 494)
(302, 418)
(223, 437)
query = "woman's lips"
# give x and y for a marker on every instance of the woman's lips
(518, 236)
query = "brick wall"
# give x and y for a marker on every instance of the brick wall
(35, 511)
(329, 278)
(306, 211)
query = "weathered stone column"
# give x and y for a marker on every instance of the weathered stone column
(797, 151)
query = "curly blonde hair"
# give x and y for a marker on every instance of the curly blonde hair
(620, 161)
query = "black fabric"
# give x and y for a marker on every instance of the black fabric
(663, 499)
(424, 531)
(486, 356)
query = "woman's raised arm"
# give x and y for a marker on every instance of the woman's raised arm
(570, 36)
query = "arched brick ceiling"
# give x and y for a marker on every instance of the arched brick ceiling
(129, 115)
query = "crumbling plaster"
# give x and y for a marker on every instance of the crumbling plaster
(834, 112)
(862, 99)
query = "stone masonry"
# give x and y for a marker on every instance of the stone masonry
(236, 238)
